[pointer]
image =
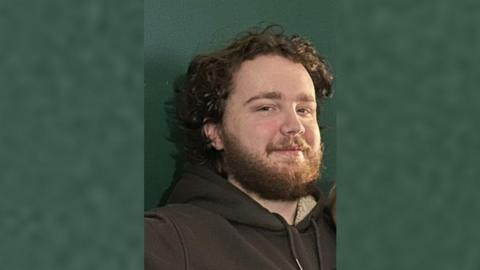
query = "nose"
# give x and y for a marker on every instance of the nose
(292, 124)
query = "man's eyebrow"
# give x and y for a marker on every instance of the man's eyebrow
(265, 95)
(305, 98)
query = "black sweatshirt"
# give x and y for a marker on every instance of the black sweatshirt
(209, 224)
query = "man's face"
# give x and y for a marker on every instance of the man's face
(269, 135)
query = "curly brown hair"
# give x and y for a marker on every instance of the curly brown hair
(209, 83)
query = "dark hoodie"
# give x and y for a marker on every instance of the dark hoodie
(210, 224)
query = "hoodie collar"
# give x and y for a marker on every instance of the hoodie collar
(203, 187)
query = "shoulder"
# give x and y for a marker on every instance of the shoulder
(182, 220)
(180, 215)
(164, 246)
(174, 232)
(174, 214)
(170, 220)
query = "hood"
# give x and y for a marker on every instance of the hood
(203, 187)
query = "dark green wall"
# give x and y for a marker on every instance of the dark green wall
(71, 135)
(175, 31)
(408, 140)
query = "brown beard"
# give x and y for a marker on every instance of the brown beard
(278, 183)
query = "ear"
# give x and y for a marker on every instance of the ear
(212, 131)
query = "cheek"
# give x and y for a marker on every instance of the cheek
(313, 136)
(257, 135)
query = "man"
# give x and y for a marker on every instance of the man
(248, 198)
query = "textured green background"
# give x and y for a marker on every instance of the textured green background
(178, 30)
(71, 133)
(407, 134)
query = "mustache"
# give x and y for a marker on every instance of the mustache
(289, 143)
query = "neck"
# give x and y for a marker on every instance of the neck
(286, 209)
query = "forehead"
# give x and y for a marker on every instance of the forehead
(271, 73)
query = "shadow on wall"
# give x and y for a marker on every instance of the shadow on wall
(176, 135)
(162, 137)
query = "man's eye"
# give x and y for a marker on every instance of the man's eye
(304, 111)
(265, 109)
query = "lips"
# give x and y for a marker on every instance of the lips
(290, 148)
